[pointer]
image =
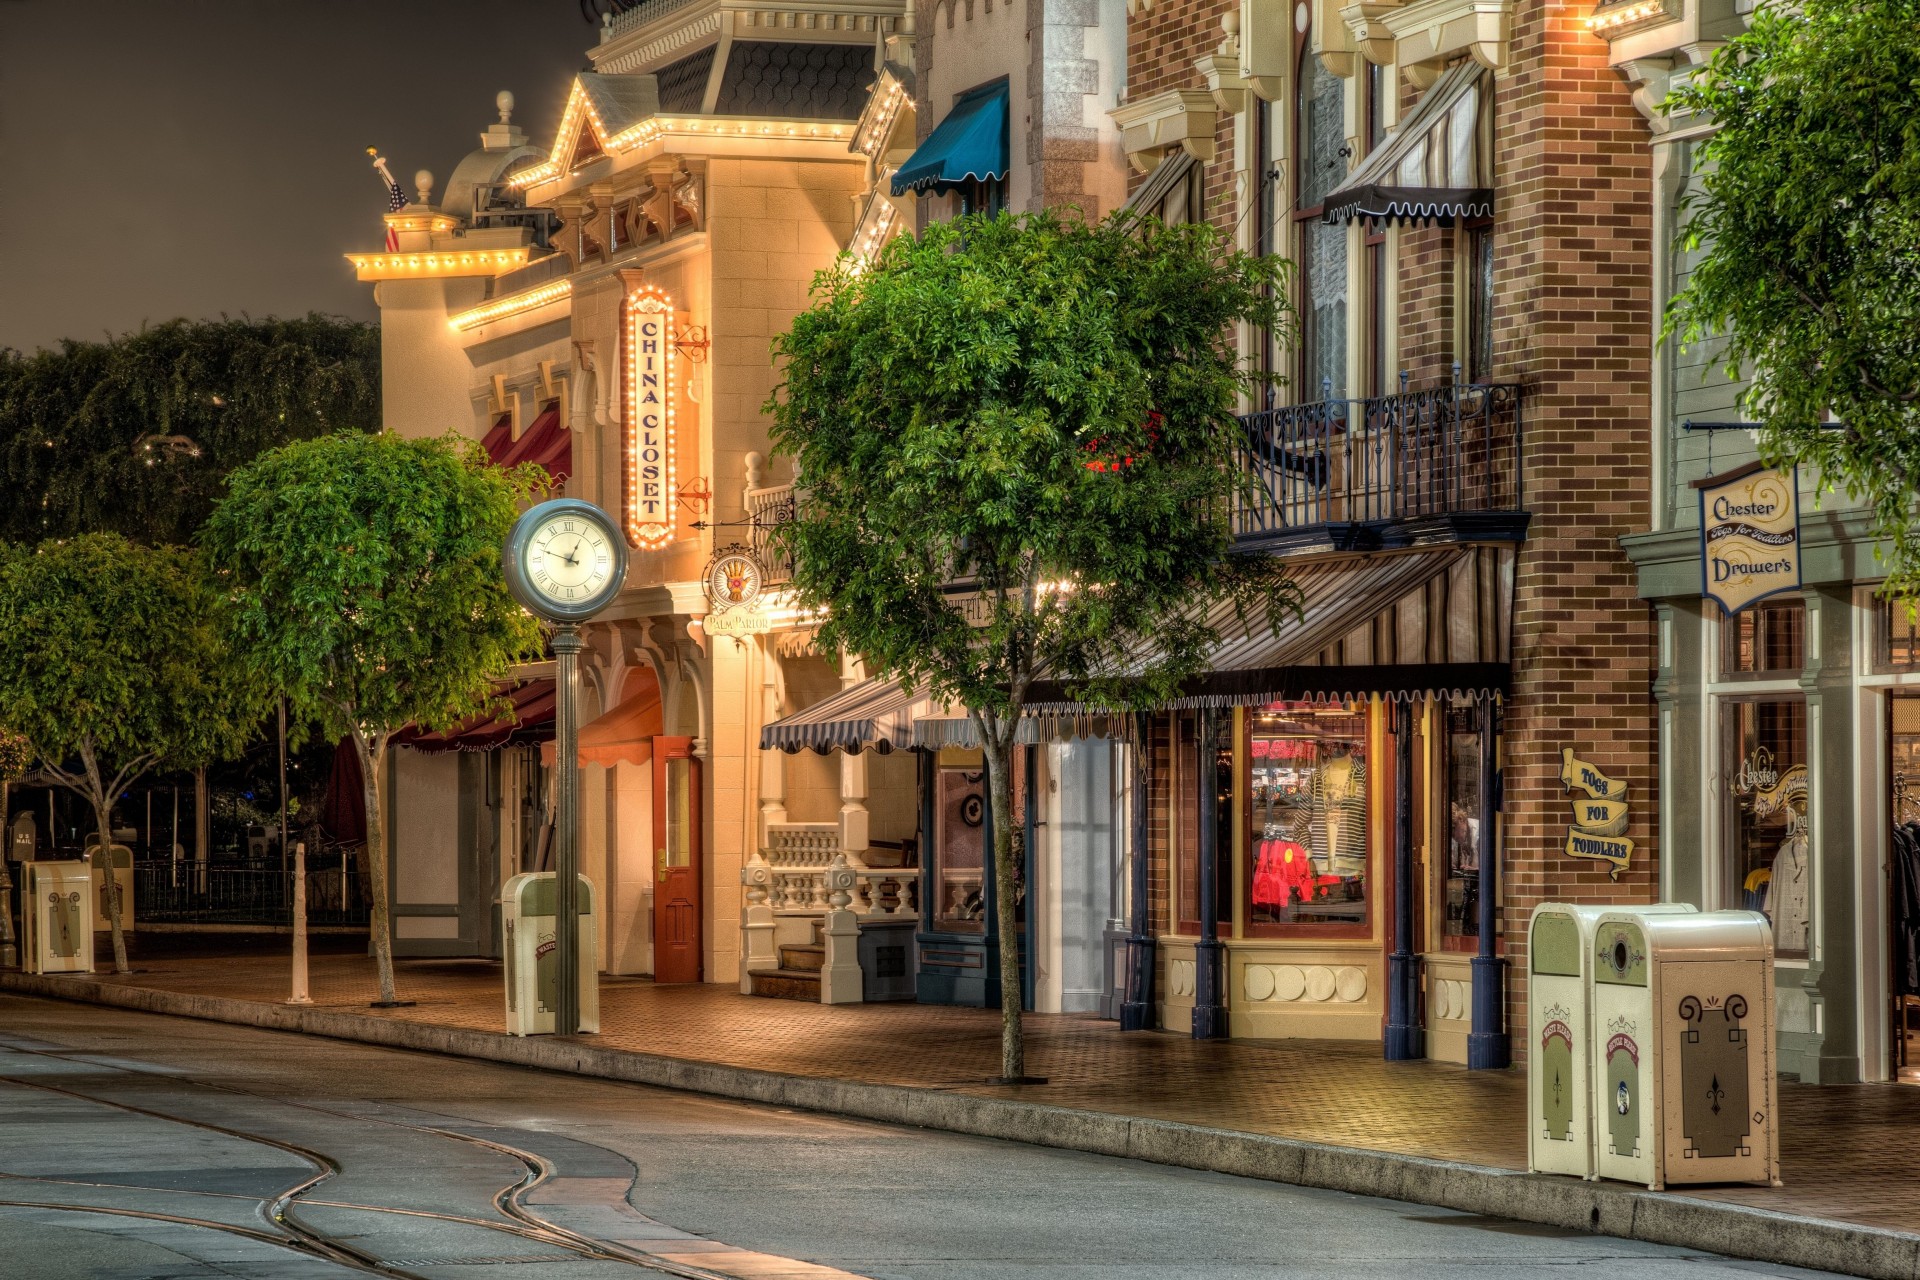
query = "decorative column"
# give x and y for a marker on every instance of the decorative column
(1209, 1009)
(1488, 1047)
(773, 764)
(854, 821)
(840, 981)
(1136, 1011)
(1403, 1037)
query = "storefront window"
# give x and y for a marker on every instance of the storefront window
(963, 840)
(960, 841)
(1769, 639)
(1462, 908)
(1765, 767)
(1899, 636)
(1308, 771)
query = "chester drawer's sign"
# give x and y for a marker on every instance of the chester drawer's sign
(1749, 535)
(1600, 814)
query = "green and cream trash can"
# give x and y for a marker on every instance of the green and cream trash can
(533, 963)
(1682, 1034)
(56, 918)
(1560, 1133)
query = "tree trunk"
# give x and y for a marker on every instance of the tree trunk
(999, 758)
(373, 777)
(110, 885)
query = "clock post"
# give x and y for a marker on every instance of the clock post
(566, 842)
(565, 561)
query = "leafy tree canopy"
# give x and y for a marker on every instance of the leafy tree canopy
(136, 435)
(363, 574)
(1046, 410)
(112, 663)
(1017, 447)
(1809, 214)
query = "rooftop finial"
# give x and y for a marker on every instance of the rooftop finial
(504, 101)
(423, 185)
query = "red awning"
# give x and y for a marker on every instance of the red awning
(344, 814)
(527, 718)
(625, 733)
(547, 441)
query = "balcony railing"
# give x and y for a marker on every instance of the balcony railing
(1435, 465)
(768, 509)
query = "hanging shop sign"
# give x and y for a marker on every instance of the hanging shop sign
(1600, 814)
(1749, 535)
(735, 583)
(651, 438)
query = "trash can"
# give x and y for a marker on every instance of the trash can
(1683, 1055)
(533, 963)
(122, 859)
(1560, 1131)
(56, 932)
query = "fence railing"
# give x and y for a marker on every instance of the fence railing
(768, 509)
(1444, 451)
(198, 893)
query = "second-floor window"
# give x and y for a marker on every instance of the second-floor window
(1320, 249)
(1478, 265)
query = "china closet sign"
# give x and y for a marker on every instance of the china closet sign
(1749, 535)
(651, 443)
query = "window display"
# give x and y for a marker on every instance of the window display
(1462, 837)
(1308, 831)
(1765, 763)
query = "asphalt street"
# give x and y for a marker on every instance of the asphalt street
(138, 1146)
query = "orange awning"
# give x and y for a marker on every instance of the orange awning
(625, 733)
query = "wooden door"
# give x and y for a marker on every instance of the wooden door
(676, 861)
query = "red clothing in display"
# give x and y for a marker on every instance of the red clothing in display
(1282, 871)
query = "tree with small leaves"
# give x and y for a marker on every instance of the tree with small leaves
(113, 664)
(1808, 217)
(1041, 413)
(363, 581)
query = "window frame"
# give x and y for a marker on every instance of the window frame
(1363, 929)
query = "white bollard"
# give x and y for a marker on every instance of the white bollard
(300, 995)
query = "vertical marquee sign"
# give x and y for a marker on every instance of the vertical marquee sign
(651, 439)
(1749, 535)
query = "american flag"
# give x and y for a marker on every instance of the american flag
(396, 198)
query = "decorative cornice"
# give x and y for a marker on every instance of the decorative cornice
(437, 265)
(1151, 127)
(645, 57)
(1420, 36)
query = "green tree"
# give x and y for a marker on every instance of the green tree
(364, 582)
(1041, 412)
(136, 435)
(1808, 211)
(112, 663)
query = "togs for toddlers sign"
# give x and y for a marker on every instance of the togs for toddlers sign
(1749, 535)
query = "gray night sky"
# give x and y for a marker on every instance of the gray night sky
(200, 157)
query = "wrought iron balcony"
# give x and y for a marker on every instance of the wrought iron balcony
(1440, 465)
(767, 510)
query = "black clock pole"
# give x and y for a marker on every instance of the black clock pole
(566, 730)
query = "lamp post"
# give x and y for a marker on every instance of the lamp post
(566, 560)
(566, 835)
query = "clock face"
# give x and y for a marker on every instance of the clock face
(569, 559)
(565, 560)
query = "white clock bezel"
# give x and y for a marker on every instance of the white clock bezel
(515, 554)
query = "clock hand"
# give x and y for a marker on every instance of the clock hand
(571, 559)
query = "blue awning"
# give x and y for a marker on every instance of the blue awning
(969, 145)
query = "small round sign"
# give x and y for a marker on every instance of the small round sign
(565, 560)
(734, 579)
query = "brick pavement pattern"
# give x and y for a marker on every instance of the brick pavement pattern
(1847, 1151)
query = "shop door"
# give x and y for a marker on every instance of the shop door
(1903, 867)
(677, 858)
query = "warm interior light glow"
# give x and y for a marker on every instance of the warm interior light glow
(511, 305)
(649, 430)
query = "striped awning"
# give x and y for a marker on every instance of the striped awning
(875, 714)
(1152, 192)
(1305, 660)
(1433, 167)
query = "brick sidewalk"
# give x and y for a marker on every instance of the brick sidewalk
(1848, 1152)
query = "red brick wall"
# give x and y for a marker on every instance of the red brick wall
(1163, 43)
(1573, 320)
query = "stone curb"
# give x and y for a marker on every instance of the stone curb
(1607, 1208)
